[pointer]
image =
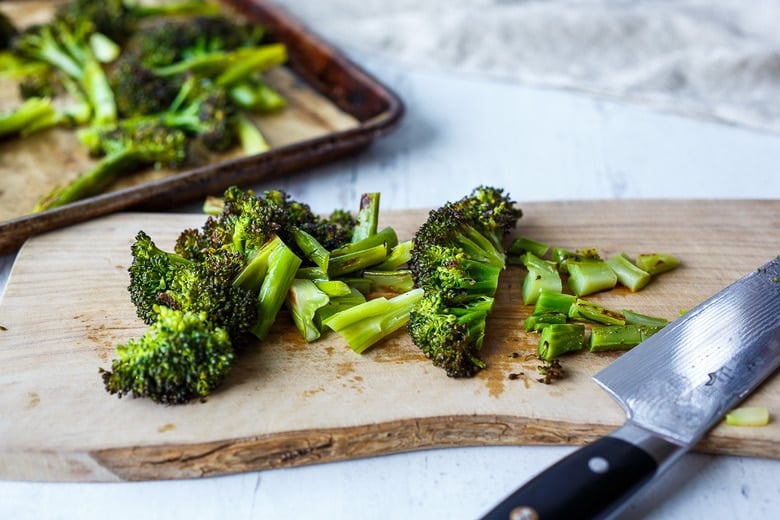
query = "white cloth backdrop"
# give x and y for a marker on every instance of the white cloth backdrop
(714, 59)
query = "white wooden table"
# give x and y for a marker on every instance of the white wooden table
(539, 145)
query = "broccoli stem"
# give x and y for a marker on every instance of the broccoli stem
(282, 266)
(367, 217)
(189, 8)
(387, 237)
(397, 281)
(589, 276)
(619, 337)
(541, 276)
(303, 300)
(92, 181)
(249, 135)
(230, 67)
(372, 325)
(20, 120)
(634, 318)
(311, 248)
(559, 339)
(536, 322)
(657, 263)
(355, 261)
(595, 313)
(554, 302)
(520, 245)
(252, 275)
(628, 274)
(399, 255)
(333, 288)
(257, 96)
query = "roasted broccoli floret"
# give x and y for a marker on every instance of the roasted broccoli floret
(126, 149)
(182, 356)
(67, 49)
(456, 258)
(138, 90)
(451, 337)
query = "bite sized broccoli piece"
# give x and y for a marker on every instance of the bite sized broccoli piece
(208, 286)
(451, 337)
(457, 256)
(282, 266)
(126, 149)
(303, 300)
(182, 356)
(138, 90)
(68, 50)
(152, 272)
(365, 324)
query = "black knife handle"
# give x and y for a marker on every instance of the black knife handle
(589, 483)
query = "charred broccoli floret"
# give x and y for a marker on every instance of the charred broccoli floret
(456, 258)
(182, 356)
(138, 90)
(125, 149)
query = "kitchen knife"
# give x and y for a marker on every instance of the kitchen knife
(674, 387)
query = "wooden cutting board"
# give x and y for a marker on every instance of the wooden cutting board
(290, 403)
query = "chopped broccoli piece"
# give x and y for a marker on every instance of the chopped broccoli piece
(619, 337)
(456, 258)
(304, 299)
(182, 356)
(558, 339)
(627, 273)
(635, 318)
(657, 263)
(588, 276)
(363, 325)
(541, 276)
(126, 149)
(595, 313)
(282, 265)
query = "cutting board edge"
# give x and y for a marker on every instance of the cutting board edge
(317, 446)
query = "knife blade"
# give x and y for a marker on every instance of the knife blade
(674, 387)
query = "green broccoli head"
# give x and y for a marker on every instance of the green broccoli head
(207, 286)
(110, 17)
(182, 356)
(490, 210)
(151, 273)
(138, 90)
(450, 337)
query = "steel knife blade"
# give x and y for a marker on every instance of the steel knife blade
(674, 387)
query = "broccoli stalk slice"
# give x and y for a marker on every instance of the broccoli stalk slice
(386, 237)
(521, 245)
(333, 288)
(249, 135)
(282, 266)
(338, 304)
(399, 255)
(627, 273)
(252, 275)
(558, 339)
(595, 313)
(589, 276)
(397, 281)
(635, 318)
(26, 116)
(549, 301)
(541, 276)
(229, 67)
(357, 260)
(184, 8)
(619, 337)
(303, 300)
(657, 263)
(311, 248)
(367, 217)
(92, 181)
(257, 96)
(369, 323)
(536, 322)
